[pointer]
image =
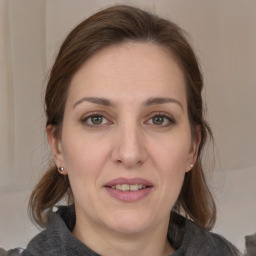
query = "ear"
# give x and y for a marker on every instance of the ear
(193, 153)
(56, 147)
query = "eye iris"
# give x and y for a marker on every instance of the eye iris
(96, 119)
(158, 120)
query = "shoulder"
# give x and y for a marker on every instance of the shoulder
(38, 245)
(191, 240)
(209, 243)
(223, 245)
(14, 252)
(250, 243)
(54, 240)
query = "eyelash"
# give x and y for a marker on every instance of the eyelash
(170, 120)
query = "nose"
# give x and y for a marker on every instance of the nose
(130, 149)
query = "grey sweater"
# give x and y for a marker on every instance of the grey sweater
(184, 236)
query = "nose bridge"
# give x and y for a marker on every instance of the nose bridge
(130, 149)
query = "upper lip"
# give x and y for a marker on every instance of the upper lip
(128, 181)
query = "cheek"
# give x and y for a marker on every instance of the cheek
(84, 156)
(170, 159)
(171, 165)
(172, 153)
(84, 162)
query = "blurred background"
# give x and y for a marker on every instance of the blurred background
(223, 34)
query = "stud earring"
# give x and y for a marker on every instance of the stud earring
(61, 169)
(191, 166)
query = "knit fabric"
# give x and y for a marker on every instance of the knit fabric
(185, 237)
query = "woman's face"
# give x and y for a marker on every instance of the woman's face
(126, 142)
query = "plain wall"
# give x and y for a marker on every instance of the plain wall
(223, 34)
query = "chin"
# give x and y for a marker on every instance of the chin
(129, 222)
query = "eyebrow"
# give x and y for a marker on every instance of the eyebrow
(149, 102)
(95, 100)
(159, 100)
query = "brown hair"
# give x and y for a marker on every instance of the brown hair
(116, 25)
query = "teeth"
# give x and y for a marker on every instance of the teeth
(126, 187)
(134, 187)
(119, 187)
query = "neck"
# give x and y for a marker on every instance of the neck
(150, 242)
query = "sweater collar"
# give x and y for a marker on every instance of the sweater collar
(62, 222)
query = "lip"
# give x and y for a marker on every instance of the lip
(128, 196)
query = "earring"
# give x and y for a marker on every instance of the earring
(61, 169)
(191, 166)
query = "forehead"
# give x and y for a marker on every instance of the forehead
(129, 71)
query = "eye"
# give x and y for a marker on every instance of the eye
(95, 120)
(161, 120)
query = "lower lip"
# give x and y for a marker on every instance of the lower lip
(129, 196)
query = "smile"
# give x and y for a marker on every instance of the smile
(126, 187)
(129, 189)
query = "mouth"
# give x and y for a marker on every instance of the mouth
(129, 190)
(127, 187)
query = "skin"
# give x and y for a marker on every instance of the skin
(129, 141)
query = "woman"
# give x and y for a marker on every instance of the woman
(126, 128)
